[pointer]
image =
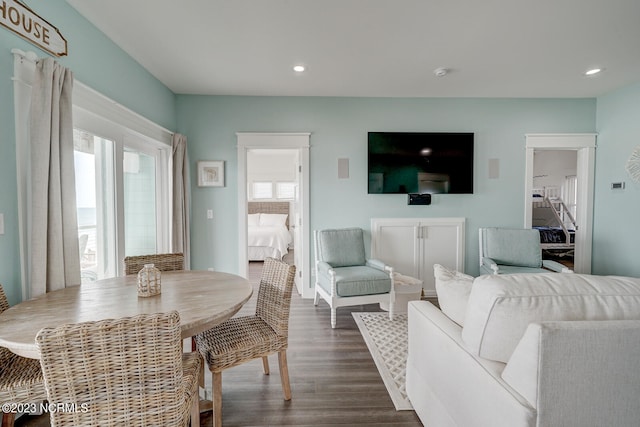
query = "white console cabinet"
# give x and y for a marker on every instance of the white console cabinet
(412, 245)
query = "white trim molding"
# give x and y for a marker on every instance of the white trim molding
(560, 141)
(97, 103)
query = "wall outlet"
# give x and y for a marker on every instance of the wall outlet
(209, 213)
(210, 269)
(1, 223)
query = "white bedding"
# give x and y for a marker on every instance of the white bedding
(276, 237)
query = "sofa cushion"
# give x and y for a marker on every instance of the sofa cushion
(453, 289)
(501, 307)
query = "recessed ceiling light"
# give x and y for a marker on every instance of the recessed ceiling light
(298, 68)
(593, 71)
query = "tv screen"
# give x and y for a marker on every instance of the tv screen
(420, 162)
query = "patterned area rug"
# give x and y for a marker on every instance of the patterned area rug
(387, 342)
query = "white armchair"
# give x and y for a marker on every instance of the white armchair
(344, 276)
(514, 250)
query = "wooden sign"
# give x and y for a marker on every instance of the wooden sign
(18, 18)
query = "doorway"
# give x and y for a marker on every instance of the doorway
(568, 197)
(554, 203)
(297, 146)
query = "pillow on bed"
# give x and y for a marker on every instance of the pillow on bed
(273, 219)
(254, 219)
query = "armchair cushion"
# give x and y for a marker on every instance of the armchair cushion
(356, 280)
(342, 248)
(519, 247)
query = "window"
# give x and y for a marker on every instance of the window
(285, 190)
(570, 196)
(122, 195)
(262, 190)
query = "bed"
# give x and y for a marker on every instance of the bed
(553, 220)
(268, 233)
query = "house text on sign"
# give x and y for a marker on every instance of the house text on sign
(18, 18)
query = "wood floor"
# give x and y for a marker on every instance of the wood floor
(334, 380)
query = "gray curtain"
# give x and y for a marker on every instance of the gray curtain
(55, 260)
(180, 239)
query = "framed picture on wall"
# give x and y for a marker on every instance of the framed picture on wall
(211, 173)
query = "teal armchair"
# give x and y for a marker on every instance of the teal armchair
(514, 250)
(344, 277)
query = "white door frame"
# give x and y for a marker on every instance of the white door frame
(585, 145)
(262, 140)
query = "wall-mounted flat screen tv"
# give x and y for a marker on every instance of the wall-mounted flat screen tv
(420, 162)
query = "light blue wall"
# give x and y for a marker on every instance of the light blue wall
(616, 235)
(95, 61)
(339, 130)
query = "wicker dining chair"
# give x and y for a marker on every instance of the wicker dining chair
(163, 262)
(129, 371)
(20, 378)
(241, 339)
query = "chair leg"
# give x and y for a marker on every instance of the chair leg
(333, 318)
(316, 298)
(265, 365)
(8, 418)
(284, 374)
(216, 392)
(195, 411)
(201, 376)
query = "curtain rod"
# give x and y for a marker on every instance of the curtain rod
(33, 57)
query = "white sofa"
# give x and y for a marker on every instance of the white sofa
(553, 350)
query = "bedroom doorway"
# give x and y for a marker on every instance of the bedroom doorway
(273, 187)
(554, 204)
(559, 193)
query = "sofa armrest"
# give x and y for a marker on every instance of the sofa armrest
(490, 264)
(579, 372)
(555, 266)
(450, 386)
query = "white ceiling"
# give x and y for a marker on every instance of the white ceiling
(378, 48)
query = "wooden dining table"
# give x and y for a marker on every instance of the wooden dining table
(202, 298)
